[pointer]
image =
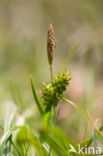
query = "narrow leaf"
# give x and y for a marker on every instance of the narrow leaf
(35, 96)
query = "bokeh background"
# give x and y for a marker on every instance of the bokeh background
(78, 28)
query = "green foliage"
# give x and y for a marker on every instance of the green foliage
(35, 96)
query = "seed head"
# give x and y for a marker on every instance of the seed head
(50, 44)
(61, 82)
(55, 89)
(48, 95)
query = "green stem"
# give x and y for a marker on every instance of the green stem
(75, 106)
(53, 115)
(51, 72)
(52, 107)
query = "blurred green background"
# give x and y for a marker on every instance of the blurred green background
(78, 28)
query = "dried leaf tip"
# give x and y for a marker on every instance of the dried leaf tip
(50, 44)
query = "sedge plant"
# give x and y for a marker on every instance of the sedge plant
(52, 93)
(48, 139)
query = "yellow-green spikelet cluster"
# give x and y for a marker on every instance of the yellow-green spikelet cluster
(52, 92)
(61, 82)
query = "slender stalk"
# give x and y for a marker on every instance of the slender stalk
(75, 106)
(18, 153)
(52, 108)
(51, 72)
(52, 115)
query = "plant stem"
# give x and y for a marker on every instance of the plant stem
(51, 72)
(52, 115)
(52, 107)
(75, 106)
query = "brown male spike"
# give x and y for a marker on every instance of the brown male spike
(50, 44)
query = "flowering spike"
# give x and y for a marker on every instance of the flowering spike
(61, 82)
(50, 44)
(56, 88)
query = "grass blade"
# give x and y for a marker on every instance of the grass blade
(99, 136)
(26, 135)
(51, 142)
(18, 153)
(5, 137)
(35, 96)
